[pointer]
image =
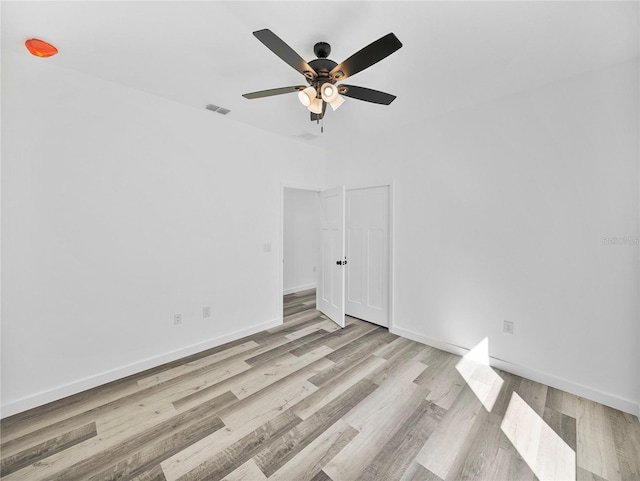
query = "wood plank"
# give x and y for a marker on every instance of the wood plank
(71, 412)
(177, 371)
(548, 456)
(200, 415)
(147, 419)
(562, 402)
(398, 453)
(441, 449)
(446, 389)
(509, 465)
(240, 421)
(563, 425)
(278, 453)
(153, 453)
(329, 391)
(377, 418)
(111, 409)
(258, 377)
(350, 333)
(284, 349)
(242, 412)
(510, 383)
(481, 445)
(386, 351)
(321, 476)
(425, 355)
(596, 446)
(442, 379)
(153, 474)
(307, 464)
(396, 358)
(222, 463)
(295, 322)
(626, 437)
(586, 475)
(534, 394)
(323, 325)
(41, 451)
(417, 472)
(351, 354)
(249, 471)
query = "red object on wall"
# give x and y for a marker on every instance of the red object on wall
(40, 48)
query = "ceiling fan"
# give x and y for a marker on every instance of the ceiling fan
(322, 74)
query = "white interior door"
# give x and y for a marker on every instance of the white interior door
(330, 291)
(367, 289)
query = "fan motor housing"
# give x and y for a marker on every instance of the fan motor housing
(322, 49)
(322, 66)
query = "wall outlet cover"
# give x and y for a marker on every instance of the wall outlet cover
(507, 327)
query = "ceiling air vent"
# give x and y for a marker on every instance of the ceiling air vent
(218, 109)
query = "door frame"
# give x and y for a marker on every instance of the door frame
(317, 189)
(391, 186)
(286, 185)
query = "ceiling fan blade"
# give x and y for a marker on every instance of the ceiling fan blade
(369, 55)
(368, 95)
(286, 53)
(271, 92)
(315, 117)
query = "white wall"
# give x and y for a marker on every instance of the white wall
(500, 212)
(301, 244)
(120, 209)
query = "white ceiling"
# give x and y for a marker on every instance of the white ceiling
(455, 54)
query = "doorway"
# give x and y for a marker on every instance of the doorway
(363, 289)
(300, 243)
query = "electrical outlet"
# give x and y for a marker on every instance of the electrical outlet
(314, 268)
(206, 311)
(266, 248)
(507, 327)
(177, 319)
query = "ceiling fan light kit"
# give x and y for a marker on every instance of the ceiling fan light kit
(329, 92)
(316, 106)
(307, 95)
(337, 102)
(322, 74)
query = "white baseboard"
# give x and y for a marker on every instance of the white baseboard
(80, 385)
(626, 405)
(293, 290)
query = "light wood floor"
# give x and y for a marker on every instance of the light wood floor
(307, 401)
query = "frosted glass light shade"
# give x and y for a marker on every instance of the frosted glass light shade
(307, 96)
(337, 102)
(316, 106)
(329, 92)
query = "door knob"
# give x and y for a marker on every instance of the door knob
(339, 263)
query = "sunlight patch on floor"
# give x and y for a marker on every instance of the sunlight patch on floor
(475, 370)
(548, 456)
